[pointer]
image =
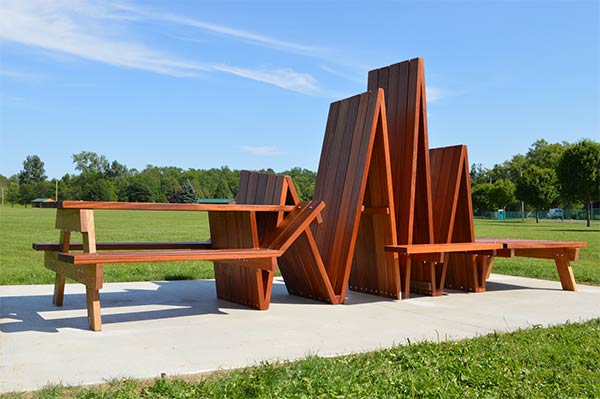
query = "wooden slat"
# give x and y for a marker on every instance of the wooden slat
(156, 206)
(442, 248)
(116, 246)
(166, 256)
(516, 243)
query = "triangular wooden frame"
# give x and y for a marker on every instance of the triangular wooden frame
(404, 86)
(354, 180)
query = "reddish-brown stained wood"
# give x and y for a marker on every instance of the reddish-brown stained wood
(442, 248)
(120, 246)
(453, 214)
(517, 243)
(158, 206)
(404, 86)
(349, 168)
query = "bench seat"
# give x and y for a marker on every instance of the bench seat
(236, 254)
(125, 246)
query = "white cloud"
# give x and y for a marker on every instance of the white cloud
(435, 93)
(262, 150)
(251, 37)
(284, 77)
(91, 31)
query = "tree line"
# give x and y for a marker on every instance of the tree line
(549, 175)
(102, 180)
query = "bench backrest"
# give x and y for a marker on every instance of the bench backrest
(404, 87)
(354, 173)
(451, 189)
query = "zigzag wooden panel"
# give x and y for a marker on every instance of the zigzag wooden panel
(247, 286)
(453, 216)
(404, 86)
(353, 175)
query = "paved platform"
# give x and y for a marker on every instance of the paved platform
(179, 327)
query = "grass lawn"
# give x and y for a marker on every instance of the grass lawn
(19, 264)
(560, 361)
(556, 362)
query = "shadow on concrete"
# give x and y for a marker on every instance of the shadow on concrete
(181, 299)
(495, 286)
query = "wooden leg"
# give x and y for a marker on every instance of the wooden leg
(93, 308)
(490, 267)
(565, 272)
(59, 289)
(405, 267)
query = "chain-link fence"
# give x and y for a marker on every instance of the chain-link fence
(550, 214)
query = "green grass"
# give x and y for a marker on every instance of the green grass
(19, 264)
(586, 269)
(557, 362)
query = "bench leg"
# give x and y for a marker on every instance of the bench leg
(565, 272)
(93, 308)
(59, 289)
(405, 276)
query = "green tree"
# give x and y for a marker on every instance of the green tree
(222, 190)
(481, 195)
(88, 162)
(26, 194)
(538, 187)
(579, 173)
(12, 194)
(137, 191)
(545, 155)
(502, 193)
(33, 170)
(187, 195)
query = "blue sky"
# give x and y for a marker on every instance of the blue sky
(201, 84)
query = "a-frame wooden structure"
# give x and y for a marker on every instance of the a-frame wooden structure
(243, 285)
(404, 87)
(354, 180)
(453, 217)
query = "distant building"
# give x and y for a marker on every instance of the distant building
(43, 203)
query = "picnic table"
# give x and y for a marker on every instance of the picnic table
(240, 236)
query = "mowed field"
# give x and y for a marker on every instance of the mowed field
(19, 264)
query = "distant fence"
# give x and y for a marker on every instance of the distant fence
(568, 214)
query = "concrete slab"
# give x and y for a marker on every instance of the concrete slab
(179, 327)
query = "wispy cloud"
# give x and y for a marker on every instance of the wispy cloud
(250, 37)
(435, 93)
(284, 77)
(19, 75)
(262, 150)
(83, 29)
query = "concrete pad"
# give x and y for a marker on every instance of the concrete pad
(179, 327)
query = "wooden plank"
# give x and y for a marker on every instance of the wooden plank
(122, 246)
(514, 243)
(166, 256)
(150, 206)
(441, 248)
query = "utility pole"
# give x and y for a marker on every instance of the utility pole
(56, 190)
(522, 203)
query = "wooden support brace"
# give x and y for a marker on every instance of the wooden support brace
(565, 272)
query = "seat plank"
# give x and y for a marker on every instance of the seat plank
(166, 256)
(444, 248)
(116, 246)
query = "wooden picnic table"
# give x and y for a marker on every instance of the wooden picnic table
(239, 236)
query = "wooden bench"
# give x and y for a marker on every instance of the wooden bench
(562, 252)
(257, 245)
